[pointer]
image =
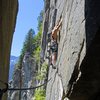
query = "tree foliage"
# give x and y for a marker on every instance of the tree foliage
(40, 19)
(28, 43)
(32, 45)
(39, 94)
(28, 46)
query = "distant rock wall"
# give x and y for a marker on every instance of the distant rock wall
(81, 22)
(28, 76)
(24, 78)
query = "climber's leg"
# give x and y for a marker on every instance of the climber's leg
(54, 49)
(54, 58)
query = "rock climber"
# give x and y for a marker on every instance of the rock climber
(2, 91)
(54, 44)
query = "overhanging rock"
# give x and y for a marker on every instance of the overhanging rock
(8, 14)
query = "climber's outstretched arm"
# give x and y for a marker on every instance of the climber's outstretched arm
(56, 29)
(59, 24)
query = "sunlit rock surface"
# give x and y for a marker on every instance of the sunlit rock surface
(77, 75)
(24, 78)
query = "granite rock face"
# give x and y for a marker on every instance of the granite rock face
(24, 78)
(76, 48)
(28, 76)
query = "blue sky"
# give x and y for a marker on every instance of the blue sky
(28, 13)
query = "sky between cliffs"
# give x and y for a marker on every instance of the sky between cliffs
(28, 13)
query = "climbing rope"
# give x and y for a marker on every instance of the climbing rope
(16, 89)
(31, 87)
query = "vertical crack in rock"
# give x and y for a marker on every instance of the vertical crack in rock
(64, 40)
(61, 88)
(80, 22)
(61, 85)
(76, 73)
(53, 83)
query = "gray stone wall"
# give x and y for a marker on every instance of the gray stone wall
(78, 29)
(24, 78)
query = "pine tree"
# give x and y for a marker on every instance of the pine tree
(40, 20)
(28, 44)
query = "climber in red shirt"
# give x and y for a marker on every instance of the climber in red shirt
(54, 45)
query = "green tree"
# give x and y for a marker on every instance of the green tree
(40, 20)
(39, 94)
(28, 44)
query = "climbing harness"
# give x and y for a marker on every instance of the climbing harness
(54, 46)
